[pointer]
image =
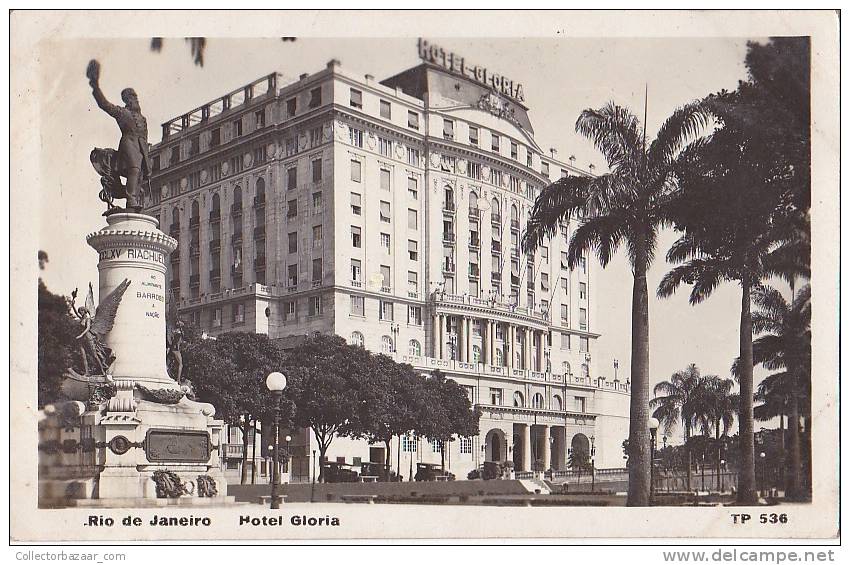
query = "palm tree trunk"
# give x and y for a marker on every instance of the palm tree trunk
(747, 471)
(795, 478)
(717, 440)
(244, 428)
(688, 454)
(639, 457)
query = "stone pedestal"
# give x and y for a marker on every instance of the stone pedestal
(107, 454)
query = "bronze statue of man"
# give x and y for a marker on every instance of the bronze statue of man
(133, 159)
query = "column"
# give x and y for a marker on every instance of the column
(491, 336)
(547, 456)
(509, 346)
(435, 337)
(541, 340)
(468, 334)
(526, 447)
(442, 336)
(527, 353)
(485, 341)
(460, 336)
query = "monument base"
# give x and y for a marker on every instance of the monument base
(155, 455)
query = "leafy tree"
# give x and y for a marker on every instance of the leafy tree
(329, 387)
(446, 412)
(58, 348)
(230, 372)
(742, 203)
(683, 402)
(579, 461)
(625, 206)
(719, 407)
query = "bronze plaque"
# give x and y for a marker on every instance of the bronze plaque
(177, 446)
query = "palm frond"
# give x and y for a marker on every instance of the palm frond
(616, 132)
(556, 203)
(683, 126)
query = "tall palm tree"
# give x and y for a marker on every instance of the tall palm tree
(627, 205)
(684, 402)
(785, 345)
(720, 406)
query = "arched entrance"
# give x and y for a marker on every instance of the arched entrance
(580, 443)
(495, 446)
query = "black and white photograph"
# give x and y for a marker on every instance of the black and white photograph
(324, 275)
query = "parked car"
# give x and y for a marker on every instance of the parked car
(340, 473)
(430, 472)
(374, 470)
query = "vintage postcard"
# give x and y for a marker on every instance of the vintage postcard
(425, 275)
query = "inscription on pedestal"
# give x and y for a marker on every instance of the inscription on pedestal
(177, 446)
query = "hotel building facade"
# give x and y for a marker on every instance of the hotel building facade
(390, 213)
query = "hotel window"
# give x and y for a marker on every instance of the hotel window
(385, 146)
(291, 146)
(237, 128)
(537, 400)
(356, 99)
(496, 396)
(315, 306)
(544, 281)
(385, 312)
(583, 263)
(289, 310)
(291, 106)
(292, 275)
(194, 146)
(473, 135)
(317, 170)
(413, 188)
(355, 136)
(385, 179)
(580, 404)
(564, 173)
(175, 155)
(156, 166)
(356, 339)
(356, 271)
(529, 158)
(466, 445)
(544, 168)
(565, 344)
(216, 319)
(385, 241)
(408, 444)
(260, 155)
(385, 211)
(413, 249)
(583, 344)
(316, 136)
(414, 348)
(514, 183)
(414, 315)
(496, 177)
(293, 242)
(565, 260)
(291, 178)
(565, 284)
(292, 209)
(356, 168)
(387, 346)
(412, 281)
(448, 130)
(260, 118)
(355, 237)
(494, 145)
(357, 306)
(565, 314)
(412, 120)
(317, 202)
(386, 109)
(315, 97)
(473, 170)
(386, 281)
(582, 291)
(317, 270)
(317, 236)
(238, 313)
(582, 318)
(413, 156)
(412, 219)
(544, 253)
(355, 204)
(437, 445)
(215, 137)
(514, 150)
(215, 172)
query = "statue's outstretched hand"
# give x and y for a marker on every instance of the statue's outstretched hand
(93, 72)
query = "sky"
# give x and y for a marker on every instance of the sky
(561, 77)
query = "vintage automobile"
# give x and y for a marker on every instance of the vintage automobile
(377, 470)
(432, 472)
(340, 473)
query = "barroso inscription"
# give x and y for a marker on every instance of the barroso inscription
(177, 446)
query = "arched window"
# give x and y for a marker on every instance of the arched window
(450, 198)
(261, 190)
(237, 197)
(386, 345)
(500, 358)
(196, 210)
(356, 339)
(494, 209)
(216, 204)
(414, 349)
(585, 371)
(175, 218)
(473, 203)
(519, 401)
(537, 400)
(514, 213)
(557, 403)
(566, 367)
(476, 354)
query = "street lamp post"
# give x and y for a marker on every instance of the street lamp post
(592, 463)
(276, 382)
(653, 428)
(763, 467)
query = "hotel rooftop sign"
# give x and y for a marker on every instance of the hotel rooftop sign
(456, 64)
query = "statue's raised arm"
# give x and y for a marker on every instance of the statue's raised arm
(132, 160)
